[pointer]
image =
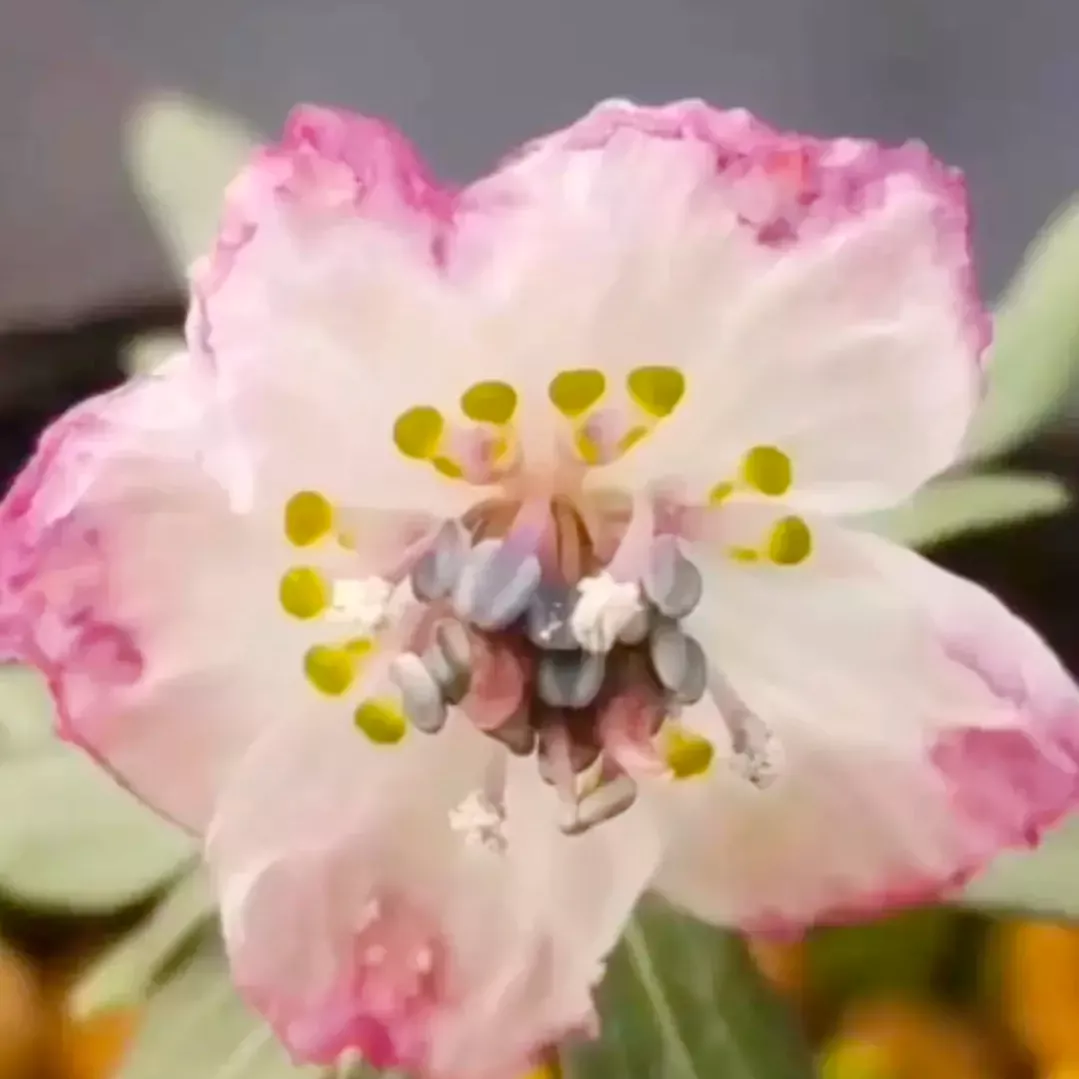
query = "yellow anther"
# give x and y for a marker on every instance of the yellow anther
(382, 721)
(790, 542)
(720, 493)
(744, 554)
(360, 647)
(330, 670)
(499, 448)
(308, 518)
(303, 592)
(657, 390)
(447, 467)
(573, 393)
(548, 1069)
(587, 448)
(418, 432)
(631, 438)
(687, 754)
(489, 402)
(590, 452)
(348, 540)
(768, 470)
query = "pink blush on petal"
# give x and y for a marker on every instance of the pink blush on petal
(1012, 785)
(784, 185)
(382, 1005)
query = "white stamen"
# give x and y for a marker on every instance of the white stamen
(605, 608)
(362, 603)
(480, 821)
(758, 756)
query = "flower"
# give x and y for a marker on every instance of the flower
(312, 589)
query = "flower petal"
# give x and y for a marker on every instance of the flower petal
(142, 564)
(357, 918)
(324, 306)
(923, 728)
(815, 295)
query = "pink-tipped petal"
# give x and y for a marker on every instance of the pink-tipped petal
(922, 728)
(361, 914)
(122, 581)
(141, 565)
(324, 304)
(816, 295)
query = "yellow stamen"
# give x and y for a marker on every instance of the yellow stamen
(791, 541)
(308, 518)
(657, 390)
(767, 470)
(489, 402)
(418, 432)
(574, 392)
(631, 438)
(382, 721)
(687, 754)
(744, 554)
(303, 592)
(330, 670)
(360, 647)
(720, 493)
(550, 1068)
(447, 467)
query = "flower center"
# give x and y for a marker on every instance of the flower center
(551, 616)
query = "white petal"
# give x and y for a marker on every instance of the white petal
(326, 314)
(923, 729)
(816, 295)
(151, 601)
(358, 917)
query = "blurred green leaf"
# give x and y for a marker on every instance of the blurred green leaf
(181, 154)
(956, 505)
(903, 954)
(1036, 346)
(70, 838)
(1041, 883)
(196, 1027)
(684, 1001)
(142, 354)
(130, 969)
(26, 710)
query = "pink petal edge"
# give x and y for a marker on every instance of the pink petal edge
(62, 632)
(1011, 786)
(331, 160)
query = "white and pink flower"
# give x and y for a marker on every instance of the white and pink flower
(479, 567)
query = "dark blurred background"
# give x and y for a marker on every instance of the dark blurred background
(991, 85)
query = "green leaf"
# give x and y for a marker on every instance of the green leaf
(26, 710)
(956, 505)
(902, 953)
(1036, 345)
(181, 154)
(1040, 883)
(70, 838)
(142, 354)
(684, 1001)
(196, 1027)
(130, 969)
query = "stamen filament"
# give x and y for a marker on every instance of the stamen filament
(630, 560)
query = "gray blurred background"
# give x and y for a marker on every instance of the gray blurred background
(990, 85)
